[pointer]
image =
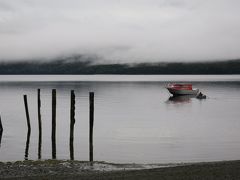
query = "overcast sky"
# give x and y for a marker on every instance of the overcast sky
(121, 30)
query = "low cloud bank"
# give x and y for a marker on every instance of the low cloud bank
(120, 31)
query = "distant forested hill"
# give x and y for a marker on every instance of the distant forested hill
(87, 67)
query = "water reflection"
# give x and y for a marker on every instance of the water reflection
(27, 144)
(40, 147)
(1, 132)
(168, 133)
(71, 147)
(181, 99)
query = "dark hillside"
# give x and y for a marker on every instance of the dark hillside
(86, 67)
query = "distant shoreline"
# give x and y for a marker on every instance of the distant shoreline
(119, 78)
(78, 67)
(57, 169)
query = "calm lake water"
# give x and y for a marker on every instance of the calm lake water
(134, 119)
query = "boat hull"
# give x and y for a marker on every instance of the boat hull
(177, 92)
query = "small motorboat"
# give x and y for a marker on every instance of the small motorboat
(182, 89)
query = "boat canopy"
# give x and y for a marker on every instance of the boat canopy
(180, 86)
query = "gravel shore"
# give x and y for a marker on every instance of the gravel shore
(57, 169)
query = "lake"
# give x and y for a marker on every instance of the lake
(135, 118)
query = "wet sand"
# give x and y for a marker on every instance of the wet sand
(55, 169)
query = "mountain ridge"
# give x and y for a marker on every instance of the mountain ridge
(87, 65)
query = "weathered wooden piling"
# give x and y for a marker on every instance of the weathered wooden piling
(39, 125)
(72, 122)
(54, 124)
(91, 121)
(29, 126)
(27, 112)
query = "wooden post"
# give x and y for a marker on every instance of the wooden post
(91, 121)
(39, 126)
(29, 126)
(54, 124)
(27, 113)
(72, 122)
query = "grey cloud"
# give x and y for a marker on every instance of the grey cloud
(121, 30)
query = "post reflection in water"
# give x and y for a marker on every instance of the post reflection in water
(1, 132)
(71, 150)
(27, 145)
(40, 147)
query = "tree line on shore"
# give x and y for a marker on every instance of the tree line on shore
(63, 66)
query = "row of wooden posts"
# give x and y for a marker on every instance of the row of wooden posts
(53, 136)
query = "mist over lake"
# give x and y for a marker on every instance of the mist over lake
(135, 118)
